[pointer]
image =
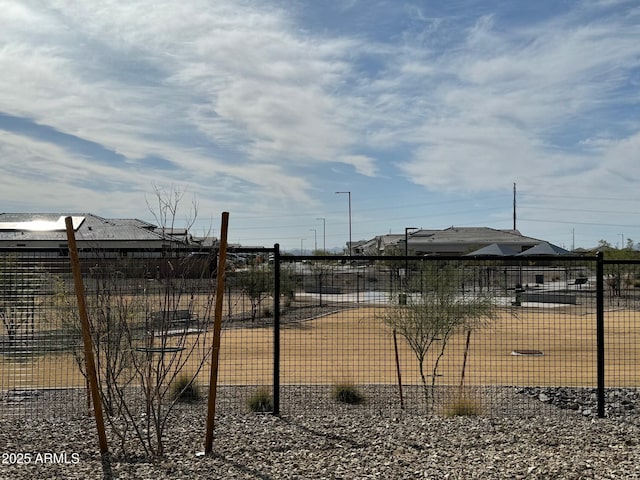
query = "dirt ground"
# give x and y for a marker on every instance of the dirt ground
(354, 345)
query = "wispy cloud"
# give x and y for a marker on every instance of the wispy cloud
(255, 104)
(516, 98)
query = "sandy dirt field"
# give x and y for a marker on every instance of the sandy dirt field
(354, 345)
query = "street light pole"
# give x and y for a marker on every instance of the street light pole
(324, 235)
(301, 246)
(350, 242)
(315, 239)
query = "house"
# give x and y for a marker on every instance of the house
(450, 241)
(462, 240)
(41, 239)
(48, 231)
(383, 245)
(358, 247)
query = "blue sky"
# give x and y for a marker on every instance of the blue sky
(426, 111)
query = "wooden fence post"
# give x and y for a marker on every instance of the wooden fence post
(86, 336)
(217, 331)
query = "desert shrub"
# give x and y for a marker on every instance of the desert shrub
(185, 390)
(462, 405)
(438, 310)
(347, 392)
(257, 285)
(260, 401)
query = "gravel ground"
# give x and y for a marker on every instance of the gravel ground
(347, 442)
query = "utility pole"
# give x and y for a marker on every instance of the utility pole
(324, 235)
(315, 240)
(514, 206)
(350, 242)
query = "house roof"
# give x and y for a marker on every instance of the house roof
(88, 227)
(546, 248)
(380, 242)
(470, 235)
(461, 240)
(390, 239)
(496, 250)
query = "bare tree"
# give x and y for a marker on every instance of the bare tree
(167, 208)
(149, 333)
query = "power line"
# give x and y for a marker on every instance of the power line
(587, 210)
(365, 200)
(572, 222)
(575, 197)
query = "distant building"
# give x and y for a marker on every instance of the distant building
(382, 245)
(48, 231)
(450, 241)
(462, 240)
(41, 239)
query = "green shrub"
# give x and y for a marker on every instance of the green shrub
(185, 390)
(261, 401)
(346, 392)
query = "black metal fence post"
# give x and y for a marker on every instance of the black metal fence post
(600, 331)
(276, 329)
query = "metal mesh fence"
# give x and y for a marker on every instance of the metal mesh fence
(433, 334)
(426, 334)
(621, 337)
(36, 342)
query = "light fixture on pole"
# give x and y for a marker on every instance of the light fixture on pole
(349, 246)
(315, 239)
(324, 235)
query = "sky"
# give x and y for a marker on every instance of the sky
(426, 112)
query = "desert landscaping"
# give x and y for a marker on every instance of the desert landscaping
(355, 345)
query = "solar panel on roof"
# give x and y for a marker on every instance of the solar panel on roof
(41, 225)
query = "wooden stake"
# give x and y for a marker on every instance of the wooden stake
(395, 347)
(217, 331)
(464, 362)
(86, 336)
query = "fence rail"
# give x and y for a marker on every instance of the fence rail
(403, 332)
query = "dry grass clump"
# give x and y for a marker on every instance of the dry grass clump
(462, 404)
(261, 401)
(347, 392)
(184, 390)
